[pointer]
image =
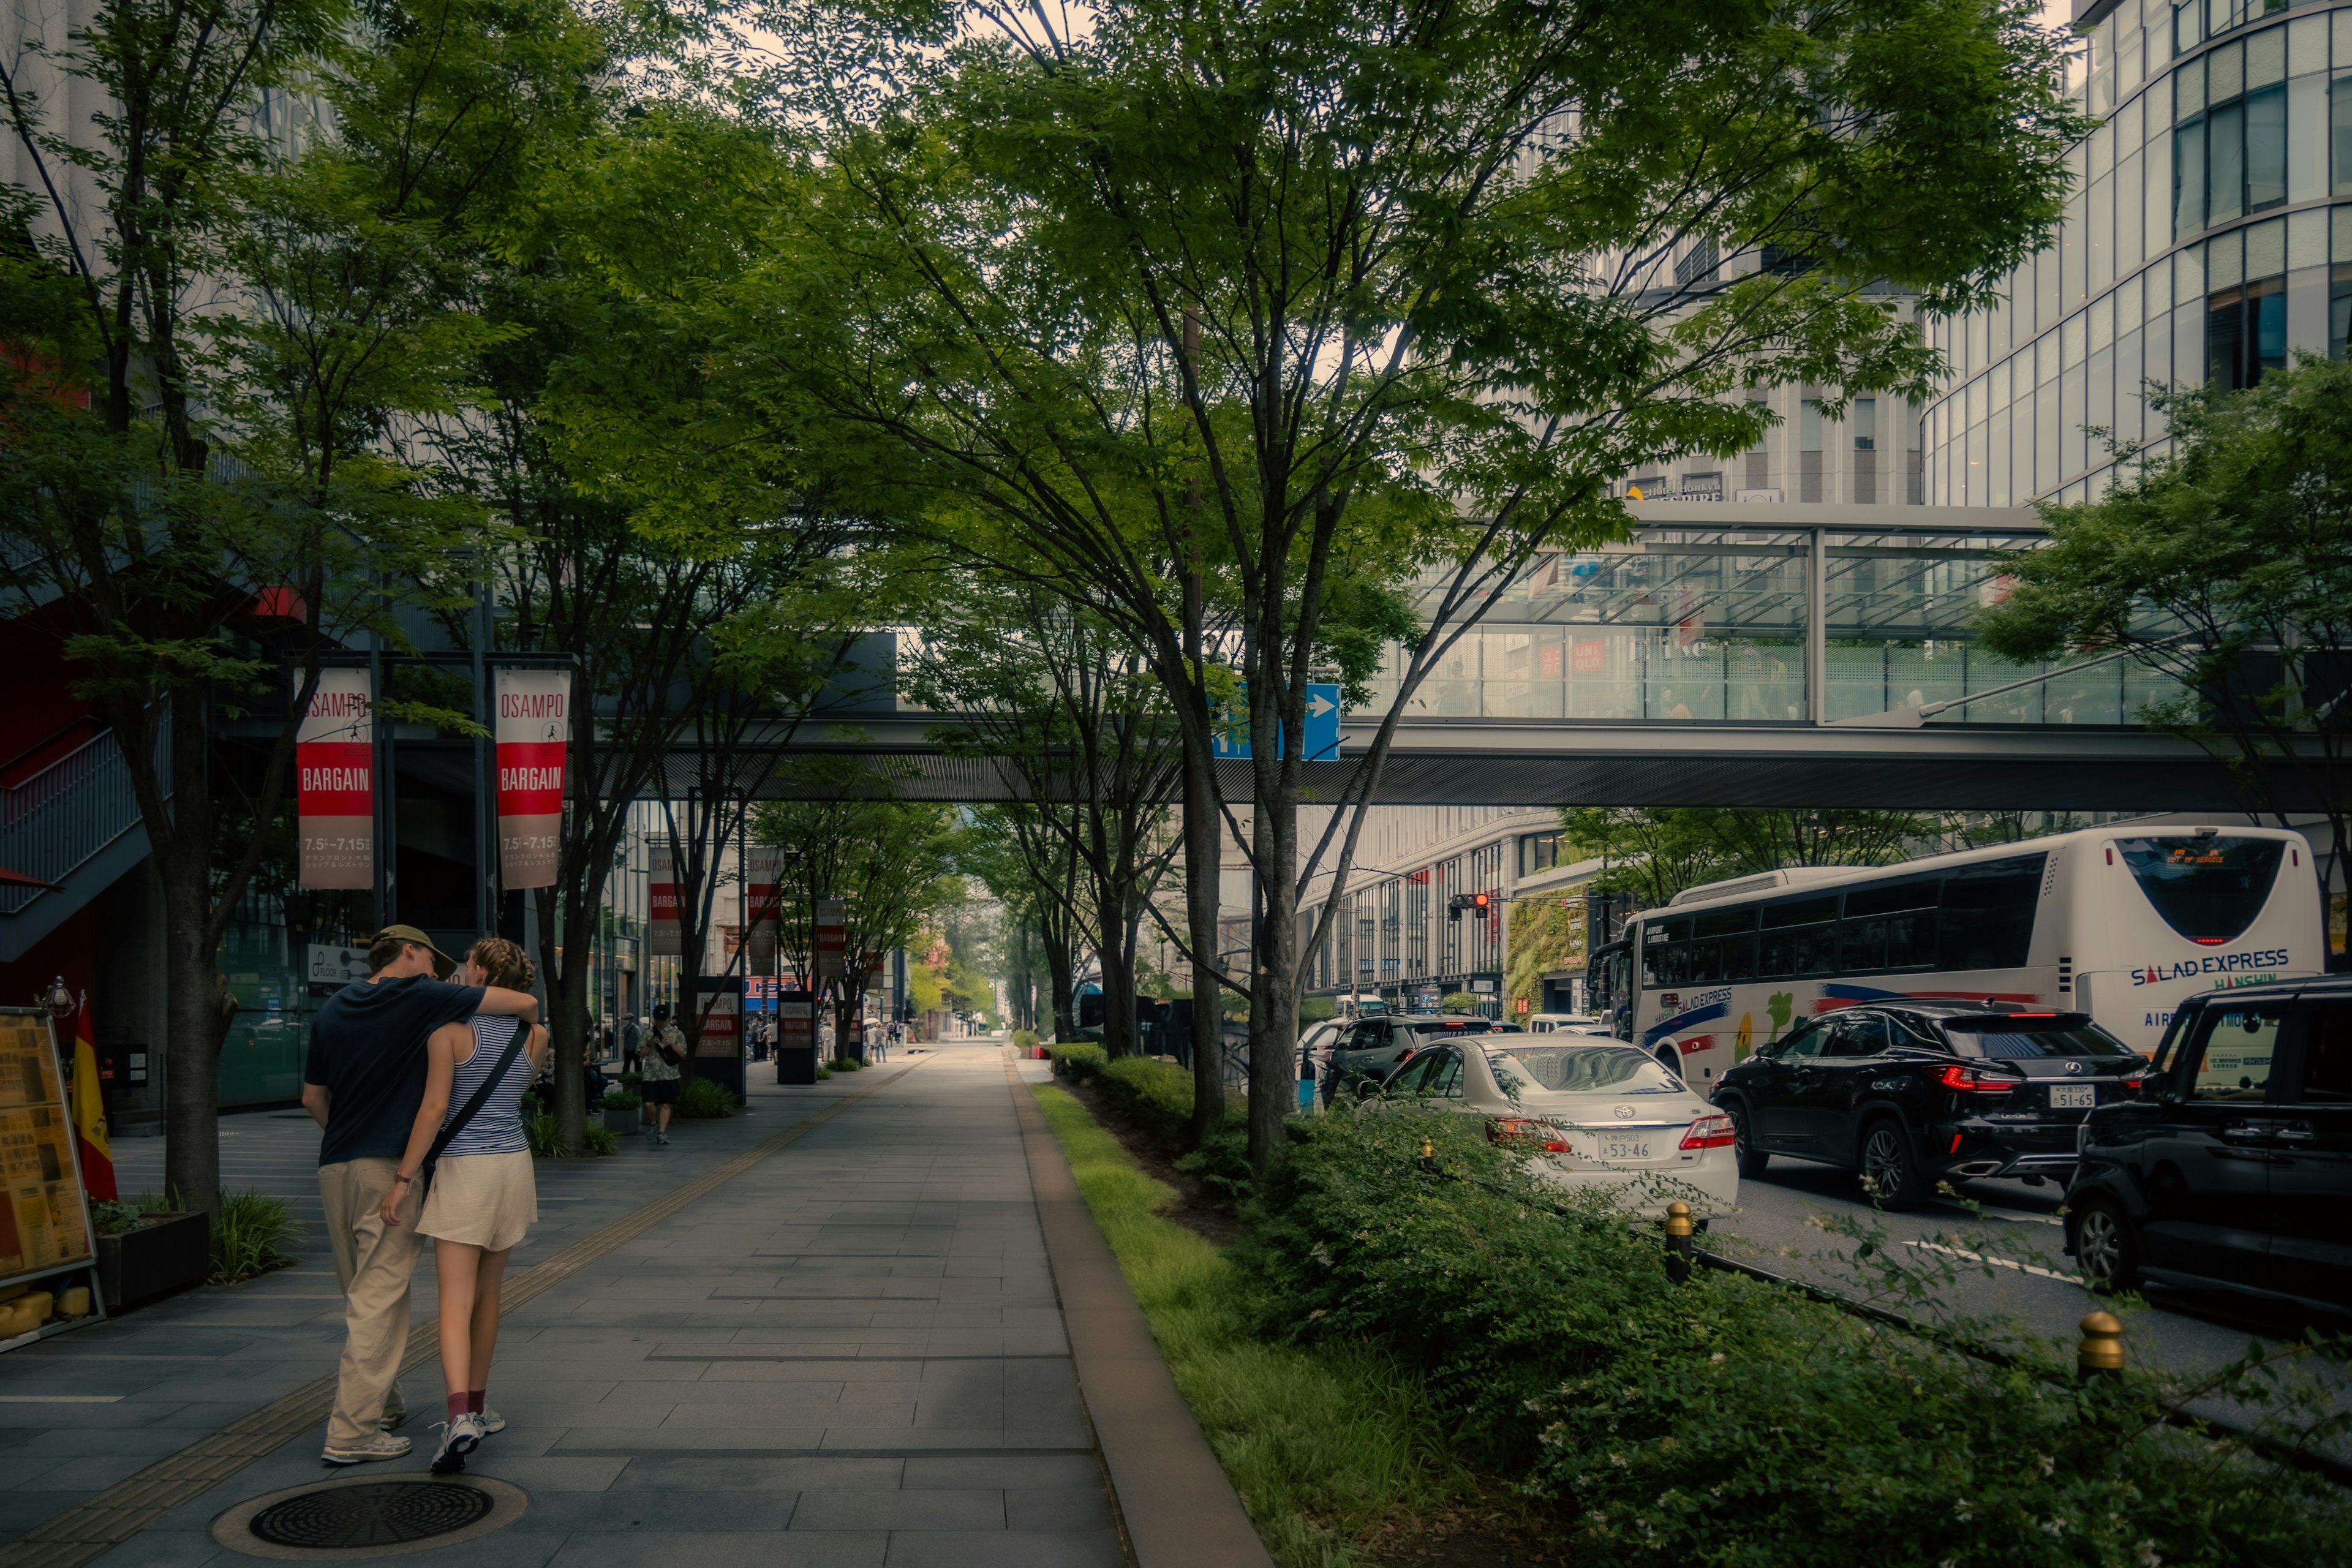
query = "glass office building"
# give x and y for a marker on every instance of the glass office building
(2200, 245)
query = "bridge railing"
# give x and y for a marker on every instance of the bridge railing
(65, 814)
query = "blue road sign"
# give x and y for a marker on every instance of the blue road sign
(1323, 715)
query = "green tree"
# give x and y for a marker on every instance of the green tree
(2225, 564)
(1205, 312)
(1655, 854)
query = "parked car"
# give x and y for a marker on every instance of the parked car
(1592, 1113)
(1926, 1092)
(1370, 1048)
(2233, 1164)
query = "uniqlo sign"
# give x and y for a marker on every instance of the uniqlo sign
(334, 783)
(534, 731)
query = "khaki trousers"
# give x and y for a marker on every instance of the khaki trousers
(374, 1262)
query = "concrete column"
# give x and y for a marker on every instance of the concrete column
(1817, 634)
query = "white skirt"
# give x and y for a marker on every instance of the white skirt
(489, 1201)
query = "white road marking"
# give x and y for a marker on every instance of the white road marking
(60, 1398)
(1997, 1262)
(1996, 1211)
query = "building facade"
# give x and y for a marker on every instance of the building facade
(2208, 238)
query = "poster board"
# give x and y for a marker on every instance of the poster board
(46, 1234)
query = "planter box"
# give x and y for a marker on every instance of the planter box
(624, 1123)
(163, 1256)
(796, 1064)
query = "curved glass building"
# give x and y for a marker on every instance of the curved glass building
(2201, 244)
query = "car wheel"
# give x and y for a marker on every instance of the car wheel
(2105, 1248)
(1888, 1170)
(1751, 1160)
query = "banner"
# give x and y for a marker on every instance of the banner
(534, 731)
(661, 905)
(89, 1114)
(722, 1028)
(334, 783)
(829, 940)
(763, 870)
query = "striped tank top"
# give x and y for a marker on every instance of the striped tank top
(496, 1128)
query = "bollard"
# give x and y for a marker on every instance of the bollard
(2101, 1354)
(1429, 1156)
(1680, 1244)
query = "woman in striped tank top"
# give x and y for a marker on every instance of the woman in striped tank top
(483, 1197)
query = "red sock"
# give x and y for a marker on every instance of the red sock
(457, 1405)
(474, 1400)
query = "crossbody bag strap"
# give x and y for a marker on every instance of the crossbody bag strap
(481, 1096)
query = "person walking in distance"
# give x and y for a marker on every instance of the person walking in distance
(666, 1055)
(361, 1082)
(480, 1195)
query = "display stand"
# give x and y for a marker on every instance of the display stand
(45, 1228)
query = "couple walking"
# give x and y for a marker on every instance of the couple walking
(418, 1086)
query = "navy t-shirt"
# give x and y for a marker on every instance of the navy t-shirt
(367, 1050)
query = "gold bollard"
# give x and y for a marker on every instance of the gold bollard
(2102, 1350)
(1680, 1244)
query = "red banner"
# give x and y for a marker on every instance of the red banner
(661, 904)
(534, 731)
(760, 888)
(334, 783)
(829, 940)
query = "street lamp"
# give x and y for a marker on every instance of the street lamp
(59, 1001)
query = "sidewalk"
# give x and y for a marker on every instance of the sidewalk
(850, 1353)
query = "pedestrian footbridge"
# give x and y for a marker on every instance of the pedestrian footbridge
(1732, 654)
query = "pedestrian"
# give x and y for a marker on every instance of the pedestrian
(362, 1082)
(668, 1054)
(481, 1197)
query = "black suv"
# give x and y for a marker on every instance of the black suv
(2233, 1165)
(1919, 1092)
(1370, 1048)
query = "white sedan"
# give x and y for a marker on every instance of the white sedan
(1593, 1114)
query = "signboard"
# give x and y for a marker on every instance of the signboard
(1591, 657)
(1323, 714)
(722, 1028)
(334, 783)
(830, 940)
(337, 966)
(661, 905)
(44, 1222)
(534, 731)
(762, 871)
(795, 1019)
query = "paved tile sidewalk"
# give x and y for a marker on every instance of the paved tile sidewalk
(851, 1354)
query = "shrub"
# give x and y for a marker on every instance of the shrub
(1316, 1009)
(703, 1100)
(543, 1132)
(1221, 1165)
(847, 1064)
(1462, 1002)
(1079, 1061)
(1025, 1040)
(822, 1072)
(621, 1100)
(599, 1139)
(113, 1218)
(1669, 1421)
(1156, 1095)
(250, 1235)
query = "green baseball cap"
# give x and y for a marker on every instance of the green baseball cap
(444, 963)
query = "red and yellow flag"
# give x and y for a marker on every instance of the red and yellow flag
(89, 1114)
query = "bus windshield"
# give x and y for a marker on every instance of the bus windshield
(2016, 1038)
(2208, 889)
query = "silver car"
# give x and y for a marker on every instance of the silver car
(1592, 1113)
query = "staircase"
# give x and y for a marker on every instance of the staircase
(74, 824)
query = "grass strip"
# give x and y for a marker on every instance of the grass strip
(1326, 1447)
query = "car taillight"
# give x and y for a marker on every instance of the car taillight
(1521, 1133)
(1710, 1133)
(1976, 1081)
(2134, 1083)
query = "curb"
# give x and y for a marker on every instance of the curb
(1177, 1508)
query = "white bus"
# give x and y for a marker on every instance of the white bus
(2120, 923)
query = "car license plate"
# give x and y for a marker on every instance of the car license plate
(2072, 1096)
(1614, 1148)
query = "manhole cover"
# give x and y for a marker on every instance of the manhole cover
(379, 1513)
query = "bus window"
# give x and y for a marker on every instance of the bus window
(2209, 888)
(1988, 916)
(2234, 1060)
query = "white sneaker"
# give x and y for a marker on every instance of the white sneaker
(360, 1450)
(491, 1421)
(458, 1439)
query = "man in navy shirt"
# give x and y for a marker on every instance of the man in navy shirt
(362, 1083)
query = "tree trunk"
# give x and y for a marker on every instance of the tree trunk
(1274, 991)
(567, 1009)
(1202, 854)
(197, 1003)
(1117, 986)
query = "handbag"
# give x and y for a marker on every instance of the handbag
(669, 1054)
(480, 1098)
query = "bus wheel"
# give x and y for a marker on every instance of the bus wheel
(1887, 1169)
(1673, 1064)
(1751, 1160)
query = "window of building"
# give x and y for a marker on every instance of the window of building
(2245, 333)
(1865, 424)
(2339, 137)
(2229, 150)
(2339, 310)
(1538, 852)
(1809, 426)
